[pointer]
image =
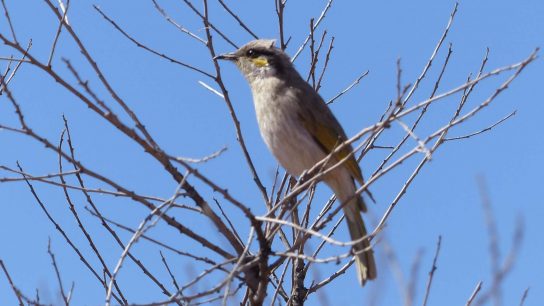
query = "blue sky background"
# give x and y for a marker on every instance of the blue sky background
(187, 120)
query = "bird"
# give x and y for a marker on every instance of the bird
(300, 130)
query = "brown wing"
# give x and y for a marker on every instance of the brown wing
(318, 119)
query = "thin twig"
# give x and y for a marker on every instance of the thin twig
(15, 290)
(433, 55)
(174, 282)
(357, 80)
(240, 22)
(325, 65)
(432, 271)
(239, 262)
(232, 227)
(73, 210)
(142, 228)
(474, 293)
(178, 26)
(155, 241)
(239, 136)
(482, 130)
(332, 277)
(23, 59)
(59, 29)
(18, 179)
(421, 113)
(413, 280)
(159, 155)
(6, 58)
(524, 296)
(201, 159)
(280, 7)
(211, 25)
(140, 45)
(213, 90)
(57, 273)
(9, 21)
(280, 282)
(65, 236)
(316, 24)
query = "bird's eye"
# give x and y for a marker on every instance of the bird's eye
(250, 53)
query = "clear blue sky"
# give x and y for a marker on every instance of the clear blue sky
(190, 121)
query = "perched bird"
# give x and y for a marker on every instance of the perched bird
(300, 130)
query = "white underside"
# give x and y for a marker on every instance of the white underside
(288, 140)
(282, 131)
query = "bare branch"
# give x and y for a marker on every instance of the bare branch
(23, 59)
(73, 209)
(9, 21)
(142, 228)
(280, 7)
(226, 97)
(15, 290)
(355, 83)
(65, 236)
(57, 273)
(140, 45)
(433, 55)
(213, 90)
(285, 237)
(316, 24)
(174, 282)
(240, 22)
(524, 296)
(433, 270)
(59, 29)
(148, 144)
(211, 25)
(325, 65)
(482, 130)
(474, 293)
(179, 27)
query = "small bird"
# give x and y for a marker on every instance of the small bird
(300, 130)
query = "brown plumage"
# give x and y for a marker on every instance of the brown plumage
(300, 130)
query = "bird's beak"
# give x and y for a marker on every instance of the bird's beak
(227, 56)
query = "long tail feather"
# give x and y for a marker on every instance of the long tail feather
(344, 187)
(364, 259)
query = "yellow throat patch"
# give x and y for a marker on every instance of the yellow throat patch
(260, 61)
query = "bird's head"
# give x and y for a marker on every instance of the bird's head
(259, 59)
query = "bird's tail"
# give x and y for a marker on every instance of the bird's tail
(364, 258)
(344, 187)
